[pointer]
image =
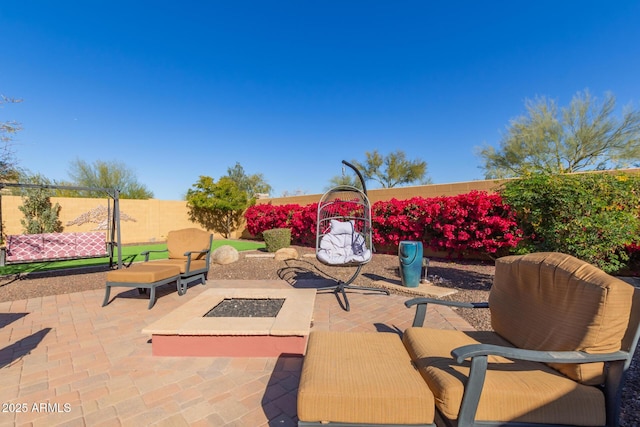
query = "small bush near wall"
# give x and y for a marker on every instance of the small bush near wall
(276, 238)
(593, 217)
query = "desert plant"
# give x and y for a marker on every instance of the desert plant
(277, 238)
(593, 217)
(40, 216)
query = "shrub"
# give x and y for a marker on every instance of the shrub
(265, 217)
(277, 238)
(476, 222)
(593, 217)
(40, 216)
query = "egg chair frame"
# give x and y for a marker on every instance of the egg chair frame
(344, 235)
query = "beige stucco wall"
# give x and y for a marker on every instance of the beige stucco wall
(141, 220)
(150, 220)
(400, 193)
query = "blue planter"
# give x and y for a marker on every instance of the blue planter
(410, 256)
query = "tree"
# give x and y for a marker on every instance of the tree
(108, 174)
(217, 206)
(583, 136)
(350, 180)
(40, 216)
(392, 170)
(250, 184)
(8, 163)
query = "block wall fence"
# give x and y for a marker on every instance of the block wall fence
(144, 221)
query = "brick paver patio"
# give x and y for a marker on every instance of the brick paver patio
(65, 360)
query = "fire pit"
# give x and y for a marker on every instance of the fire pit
(247, 307)
(246, 324)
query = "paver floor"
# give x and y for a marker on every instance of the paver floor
(65, 360)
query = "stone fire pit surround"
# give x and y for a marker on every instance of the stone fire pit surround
(186, 332)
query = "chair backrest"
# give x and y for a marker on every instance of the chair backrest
(188, 239)
(632, 336)
(345, 204)
(555, 302)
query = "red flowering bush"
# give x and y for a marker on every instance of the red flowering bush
(302, 221)
(265, 217)
(474, 222)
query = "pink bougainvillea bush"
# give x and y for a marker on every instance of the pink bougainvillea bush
(476, 222)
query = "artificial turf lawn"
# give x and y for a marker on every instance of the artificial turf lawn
(129, 254)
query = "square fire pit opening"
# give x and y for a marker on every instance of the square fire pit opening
(247, 307)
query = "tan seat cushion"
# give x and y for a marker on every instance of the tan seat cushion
(553, 301)
(143, 273)
(181, 263)
(188, 239)
(513, 390)
(361, 377)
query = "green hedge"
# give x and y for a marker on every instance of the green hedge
(277, 238)
(592, 216)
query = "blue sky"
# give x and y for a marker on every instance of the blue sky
(176, 90)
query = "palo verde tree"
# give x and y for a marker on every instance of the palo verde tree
(40, 216)
(107, 174)
(217, 206)
(251, 184)
(346, 179)
(393, 169)
(586, 135)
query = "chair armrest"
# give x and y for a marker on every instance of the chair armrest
(479, 361)
(146, 253)
(188, 255)
(476, 350)
(421, 307)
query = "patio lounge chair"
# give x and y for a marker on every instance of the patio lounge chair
(188, 249)
(564, 335)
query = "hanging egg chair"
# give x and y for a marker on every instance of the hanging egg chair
(344, 234)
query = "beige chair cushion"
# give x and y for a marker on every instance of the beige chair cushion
(188, 239)
(143, 273)
(513, 390)
(361, 377)
(181, 263)
(552, 301)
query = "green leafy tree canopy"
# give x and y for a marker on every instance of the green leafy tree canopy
(108, 174)
(217, 206)
(40, 216)
(251, 184)
(393, 169)
(592, 216)
(586, 135)
(351, 180)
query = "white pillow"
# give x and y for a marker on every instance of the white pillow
(340, 227)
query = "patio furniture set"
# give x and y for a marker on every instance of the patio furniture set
(564, 333)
